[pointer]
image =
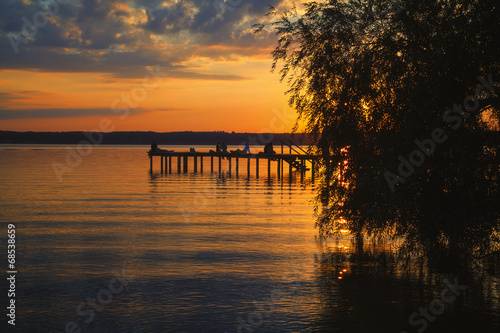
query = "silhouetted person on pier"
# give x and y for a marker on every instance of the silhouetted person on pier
(155, 149)
(224, 148)
(268, 148)
(247, 148)
(154, 146)
(217, 147)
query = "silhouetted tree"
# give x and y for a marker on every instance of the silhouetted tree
(408, 85)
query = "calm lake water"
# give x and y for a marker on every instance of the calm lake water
(113, 248)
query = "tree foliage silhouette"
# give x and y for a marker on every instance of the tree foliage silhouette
(368, 79)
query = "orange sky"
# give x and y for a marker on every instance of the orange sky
(166, 104)
(81, 66)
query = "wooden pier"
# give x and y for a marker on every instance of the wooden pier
(301, 163)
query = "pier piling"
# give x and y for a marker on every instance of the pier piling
(302, 170)
(312, 171)
(268, 168)
(257, 167)
(278, 168)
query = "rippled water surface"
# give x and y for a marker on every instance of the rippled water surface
(113, 248)
(201, 248)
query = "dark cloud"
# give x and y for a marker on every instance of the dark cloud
(172, 109)
(123, 37)
(61, 113)
(7, 97)
(207, 76)
(52, 36)
(261, 7)
(171, 19)
(11, 14)
(19, 98)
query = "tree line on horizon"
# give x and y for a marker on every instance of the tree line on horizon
(146, 138)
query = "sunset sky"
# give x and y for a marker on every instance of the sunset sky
(148, 65)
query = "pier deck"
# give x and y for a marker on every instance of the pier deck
(299, 162)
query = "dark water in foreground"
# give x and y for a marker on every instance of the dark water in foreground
(112, 248)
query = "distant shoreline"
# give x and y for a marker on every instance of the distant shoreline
(146, 138)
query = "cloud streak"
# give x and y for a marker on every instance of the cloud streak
(61, 113)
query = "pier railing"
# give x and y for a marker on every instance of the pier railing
(297, 165)
(291, 146)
